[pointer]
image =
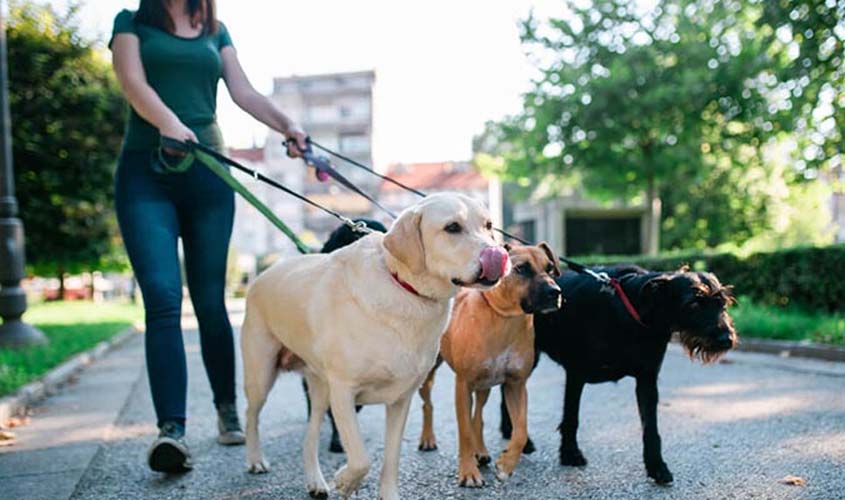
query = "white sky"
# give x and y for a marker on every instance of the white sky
(442, 67)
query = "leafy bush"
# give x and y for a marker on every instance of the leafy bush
(809, 278)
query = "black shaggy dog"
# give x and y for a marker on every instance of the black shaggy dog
(597, 340)
(341, 237)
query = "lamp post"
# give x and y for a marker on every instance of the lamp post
(13, 332)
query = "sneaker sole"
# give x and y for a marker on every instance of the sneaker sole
(229, 439)
(169, 457)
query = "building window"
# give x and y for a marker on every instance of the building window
(355, 144)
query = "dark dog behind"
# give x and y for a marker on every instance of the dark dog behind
(341, 237)
(597, 340)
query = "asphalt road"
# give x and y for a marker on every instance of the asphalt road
(731, 430)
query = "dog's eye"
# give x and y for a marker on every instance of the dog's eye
(453, 228)
(550, 269)
(489, 225)
(524, 269)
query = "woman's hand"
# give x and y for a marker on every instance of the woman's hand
(296, 141)
(179, 131)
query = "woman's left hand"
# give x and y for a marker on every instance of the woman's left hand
(296, 141)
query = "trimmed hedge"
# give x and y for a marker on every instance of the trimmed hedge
(806, 277)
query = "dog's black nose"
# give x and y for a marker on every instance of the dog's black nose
(551, 293)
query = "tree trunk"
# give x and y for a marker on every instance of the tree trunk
(654, 207)
(61, 272)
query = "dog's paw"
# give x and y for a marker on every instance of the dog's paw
(389, 493)
(259, 466)
(347, 479)
(470, 477)
(318, 492)
(572, 457)
(660, 473)
(505, 466)
(482, 459)
(529, 447)
(427, 443)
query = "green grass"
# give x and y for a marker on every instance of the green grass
(71, 327)
(787, 324)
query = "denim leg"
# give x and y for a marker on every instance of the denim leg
(206, 216)
(149, 224)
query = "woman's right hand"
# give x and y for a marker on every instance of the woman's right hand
(179, 131)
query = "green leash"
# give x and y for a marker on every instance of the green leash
(209, 161)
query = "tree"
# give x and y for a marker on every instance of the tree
(809, 37)
(67, 114)
(673, 102)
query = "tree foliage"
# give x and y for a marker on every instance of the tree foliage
(679, 99)
(67, 115)
(808, 36)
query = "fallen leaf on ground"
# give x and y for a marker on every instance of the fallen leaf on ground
(793, 480)
(15, 422)
(7, 438)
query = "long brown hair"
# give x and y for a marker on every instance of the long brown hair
(154, 13)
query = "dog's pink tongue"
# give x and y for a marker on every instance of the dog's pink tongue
(494, 263)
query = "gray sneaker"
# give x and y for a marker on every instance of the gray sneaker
(169, 453)
(229, 426)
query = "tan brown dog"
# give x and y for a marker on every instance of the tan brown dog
(490, 341)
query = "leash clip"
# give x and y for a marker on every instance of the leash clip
(358, 227)
(601, 277)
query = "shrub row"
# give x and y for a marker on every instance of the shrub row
(807, 277)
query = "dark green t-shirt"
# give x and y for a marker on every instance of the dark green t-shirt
(184, 72)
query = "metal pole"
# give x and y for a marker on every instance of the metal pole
(13, 332)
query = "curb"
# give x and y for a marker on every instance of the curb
(791, 349)
(787, 348)
(17, 404)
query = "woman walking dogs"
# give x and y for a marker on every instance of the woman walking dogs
(169, 56)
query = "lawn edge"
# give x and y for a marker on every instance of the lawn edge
(17, 404)
(789, 348)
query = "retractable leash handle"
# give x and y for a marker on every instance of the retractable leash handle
(320, 163)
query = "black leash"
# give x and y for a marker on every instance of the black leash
(364, 167)
(324, 166)
(190, 146)
(575, 266)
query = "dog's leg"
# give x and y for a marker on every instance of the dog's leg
(260, 360)
(428, 441)
(468, 473)
(334, 443)
(505, 426)
(396, 415)
(319, 396)
(647, 398)
(516, 397)
(570, 454)
(481, 453)
(349, 477)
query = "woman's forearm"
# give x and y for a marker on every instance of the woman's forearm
(146, 102)
(264, 110)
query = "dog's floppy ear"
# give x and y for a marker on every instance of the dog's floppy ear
(552, 257)
(404, 241)
(650, 293)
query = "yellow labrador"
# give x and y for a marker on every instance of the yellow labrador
(363, 325)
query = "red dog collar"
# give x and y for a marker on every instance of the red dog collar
(405, 285)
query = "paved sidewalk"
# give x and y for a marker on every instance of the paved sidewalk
(729, 431)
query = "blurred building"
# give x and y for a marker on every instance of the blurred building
(576, 225)
(837, 202)
(253, 236)
(336, 110)
(456, 176)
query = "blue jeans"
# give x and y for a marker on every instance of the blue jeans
(153, 211)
